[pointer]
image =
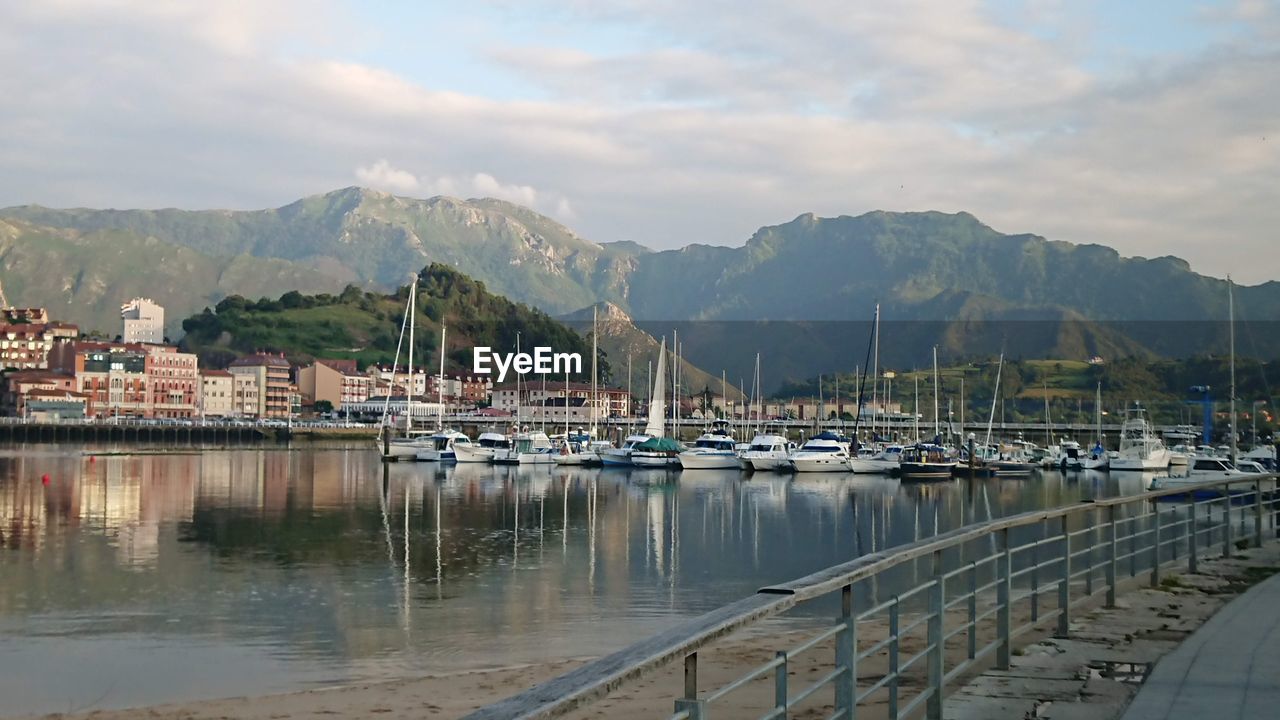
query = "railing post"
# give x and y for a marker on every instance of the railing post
(696, 708)
(1092, 519)
(1064, 584)
(893, 660)
(846, 651)
(1257, 513)
(1035, 573)
(973, 610)
(1193, 536)
(1155, 544)
(1004, 568)
(1112, 554)
(1226, 520)
(780, 686)
(937, 599)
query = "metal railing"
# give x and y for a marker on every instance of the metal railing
(983, 587)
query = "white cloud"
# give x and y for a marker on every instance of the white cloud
(382, 176)
(717, 121)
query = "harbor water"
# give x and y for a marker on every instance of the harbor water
(133, 576)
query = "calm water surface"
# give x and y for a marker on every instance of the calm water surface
(141, 578)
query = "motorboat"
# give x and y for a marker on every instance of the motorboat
(821, 453)
(871, 460)
(1071, 455)
(1265, 455)
(483, 449)
(527, 448)
(657, 453)
(571, 450)
(768, 453)
(1016, 459)
(621, 456)
(926, 460)
(1202, 468)
(407, 448)
(1140, 449)
(714, 450)
(442, 447)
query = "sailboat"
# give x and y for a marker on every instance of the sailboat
(656, 450)
(1097, 459)
(408, 446)
(621, 456)
(443, 440)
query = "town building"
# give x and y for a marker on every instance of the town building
(26, 346)
(245, 402)
(271, 374)
(537, 401)
(337, 381)
(113, 376)
(20, 386)
(217, 391)
(143, 322)
(173, 381)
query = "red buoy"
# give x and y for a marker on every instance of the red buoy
(45, 478)
(92, 459)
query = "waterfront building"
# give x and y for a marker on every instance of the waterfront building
(217, 390)
(113, 376)
(337, 381)
(271, 374)
(535, 401)
(143, 322)
(245, 395)
(173, 381)
(21, 385)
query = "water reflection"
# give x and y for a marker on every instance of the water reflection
(249, 571)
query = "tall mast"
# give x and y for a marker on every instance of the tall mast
(518, 403)
(413, 310)
(440, 383)
(1097, 411)
(724, 392)
(630, 409)
(915, 404)
(595, 398)
(1048, 422)
(995, 393)
(837, 400)
(935, 390)
(875, 371)
(566, 403)
(542, 416)
(821, 408)
(1231, 325)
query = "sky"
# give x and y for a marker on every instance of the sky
(1151, 127)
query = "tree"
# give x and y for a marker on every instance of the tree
(324, 407)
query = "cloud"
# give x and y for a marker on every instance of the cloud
(666, 122)
(382, 176)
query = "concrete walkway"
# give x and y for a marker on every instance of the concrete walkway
(1229, 669)
(1167, 633)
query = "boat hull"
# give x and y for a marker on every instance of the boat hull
(473, 454)
(820, 464)
(923, 471)
(872, 465)
(654, 460)
(1155, 461)
(708, 461)
(615, 458)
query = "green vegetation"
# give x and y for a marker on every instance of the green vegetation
(1162, 386)
(366, 326)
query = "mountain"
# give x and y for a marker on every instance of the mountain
(366, 325)
(85, 275)
(620, 339)
(944, 279)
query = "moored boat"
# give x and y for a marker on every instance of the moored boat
(821, 453)
(1140, 449)
(926, 460)
(483, 449)
(768, 453)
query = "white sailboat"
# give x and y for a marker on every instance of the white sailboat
(408, 446)
(621, 456)
(1098, 458)
(658, 451)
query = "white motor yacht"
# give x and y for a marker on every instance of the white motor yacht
(713, 450)
(870, 460)
(442, 446)
(483, 449)
(527, 448)
(821, 453)
(1140, 449)
(621, 456)
(768, 453)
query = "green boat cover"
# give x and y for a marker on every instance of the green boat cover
(659, 445)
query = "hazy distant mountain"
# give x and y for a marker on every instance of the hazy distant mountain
(83, 277)
(979, 286)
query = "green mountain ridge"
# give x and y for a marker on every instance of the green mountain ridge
(948, 278)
